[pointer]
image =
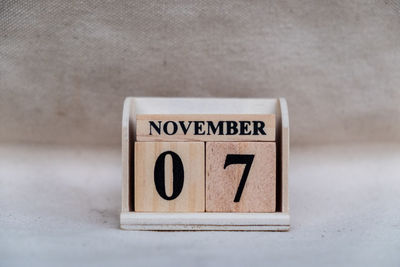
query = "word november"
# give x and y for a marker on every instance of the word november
(208, 127)
(205, 127)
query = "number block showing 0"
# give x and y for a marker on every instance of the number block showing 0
(240, 177)
(169, 177)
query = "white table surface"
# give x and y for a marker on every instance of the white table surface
(60, 206)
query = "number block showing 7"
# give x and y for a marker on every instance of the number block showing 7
(169, 177)
(240, 177)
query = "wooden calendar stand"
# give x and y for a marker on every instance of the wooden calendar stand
(206, 221)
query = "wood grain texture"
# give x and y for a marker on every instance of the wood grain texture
(126, 154)
(205, 127)
(285, 143)
(259, 193)
(192, 196)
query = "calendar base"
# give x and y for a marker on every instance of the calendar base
(277, 221)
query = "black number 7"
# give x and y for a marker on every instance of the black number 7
(240, 159)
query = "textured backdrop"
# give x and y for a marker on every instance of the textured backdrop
(66, 66)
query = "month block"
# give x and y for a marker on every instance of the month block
(205, 127)
(169, 177)
(240, 177)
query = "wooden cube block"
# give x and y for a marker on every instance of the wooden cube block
(205, 127)
(169, 177)
(240, 177)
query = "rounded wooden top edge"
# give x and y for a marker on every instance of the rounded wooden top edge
(284, 112)
(129, 106)
(132, 100)
(126, 111)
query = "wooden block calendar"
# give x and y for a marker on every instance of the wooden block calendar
(240, 177)
(205, 164)
(169, 177)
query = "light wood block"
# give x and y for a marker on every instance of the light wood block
(226, 166)
(169, 177)
(205, 127)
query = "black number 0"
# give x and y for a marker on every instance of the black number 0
(177, 171)
(240, 159)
